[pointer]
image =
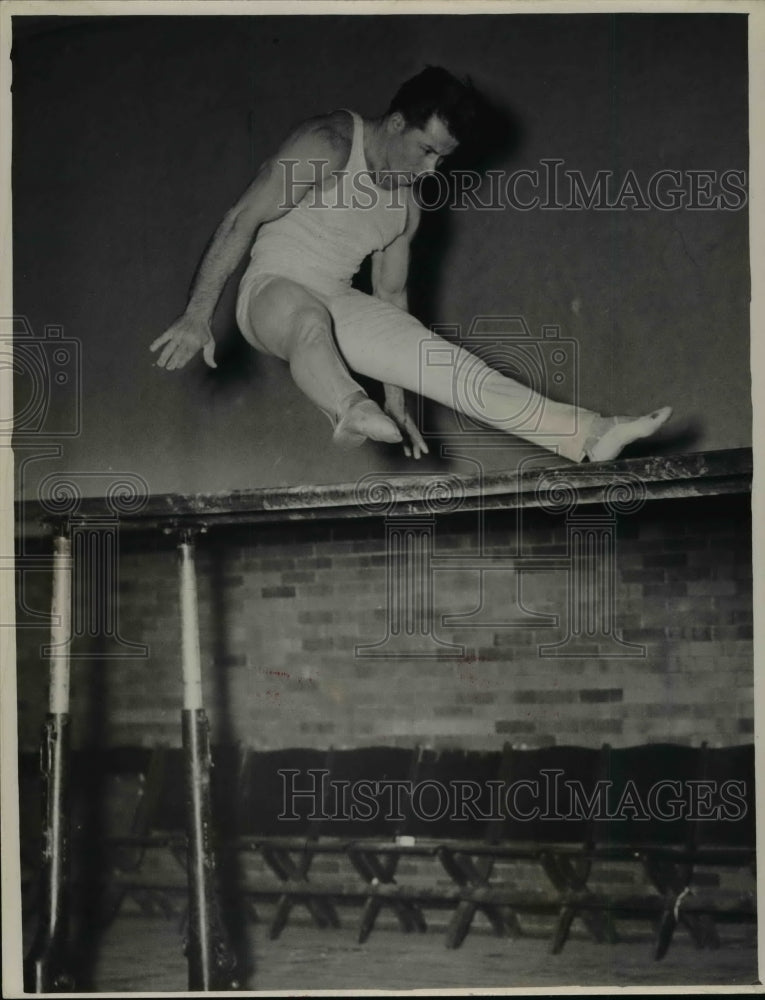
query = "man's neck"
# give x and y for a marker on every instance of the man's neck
(374, 146)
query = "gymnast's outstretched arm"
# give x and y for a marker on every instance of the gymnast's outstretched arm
(278, 186)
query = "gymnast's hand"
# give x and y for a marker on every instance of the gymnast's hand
(181, 342)
(395, 407)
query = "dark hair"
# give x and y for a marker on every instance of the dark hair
(435, 91)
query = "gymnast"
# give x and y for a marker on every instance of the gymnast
(339, 189)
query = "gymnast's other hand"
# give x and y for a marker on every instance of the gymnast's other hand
(396, 409)
(182, 341)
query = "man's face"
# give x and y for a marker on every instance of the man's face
(414, 151)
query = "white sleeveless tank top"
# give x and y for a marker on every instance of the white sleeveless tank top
(323, 240)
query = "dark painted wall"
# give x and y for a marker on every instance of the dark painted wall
(132, 136)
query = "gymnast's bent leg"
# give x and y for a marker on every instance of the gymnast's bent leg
(381, 341)
(280, 317)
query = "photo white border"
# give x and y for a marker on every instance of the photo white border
(12, 983)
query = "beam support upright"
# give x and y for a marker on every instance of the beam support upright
(210, 961)
(46, 968)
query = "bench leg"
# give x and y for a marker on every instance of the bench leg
(570, 878)
(672, 881)
(322, 911)
(374, 871)
(467, 873)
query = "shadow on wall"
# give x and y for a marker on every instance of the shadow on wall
(499, 133)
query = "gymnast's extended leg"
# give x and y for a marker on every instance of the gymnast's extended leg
(383, 342)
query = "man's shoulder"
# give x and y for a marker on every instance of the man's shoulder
(331, 131)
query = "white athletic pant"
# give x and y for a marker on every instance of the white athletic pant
(380, 341)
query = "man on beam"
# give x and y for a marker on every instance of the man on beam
(339, 189)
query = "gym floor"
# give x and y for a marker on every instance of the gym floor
(140, 953)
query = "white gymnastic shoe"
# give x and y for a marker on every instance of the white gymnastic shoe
(364, 420)
(610, 435)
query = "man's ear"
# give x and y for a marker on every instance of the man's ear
(396, 122)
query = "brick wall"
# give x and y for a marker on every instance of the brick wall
(283, 609)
